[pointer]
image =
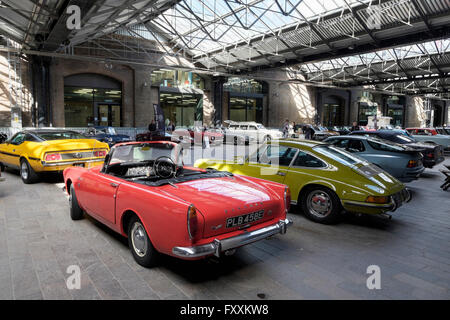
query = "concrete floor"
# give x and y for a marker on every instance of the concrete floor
(38, 241)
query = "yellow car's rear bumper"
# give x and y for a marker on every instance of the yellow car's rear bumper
(60, 166)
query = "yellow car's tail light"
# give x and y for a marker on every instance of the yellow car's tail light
(100, 154)
(192, 222)
(378, 200)
(53, 157)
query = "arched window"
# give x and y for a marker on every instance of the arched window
(92, 100)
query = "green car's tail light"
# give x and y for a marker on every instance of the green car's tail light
(378, 199)
(192, 222)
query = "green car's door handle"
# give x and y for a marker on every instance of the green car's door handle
(280, 173)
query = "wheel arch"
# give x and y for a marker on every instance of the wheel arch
(125, 219)
(310, 185)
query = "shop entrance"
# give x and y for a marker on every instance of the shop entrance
(108, 114)
(181, 109)
(437, 115)
(333, 112)
(92, 100)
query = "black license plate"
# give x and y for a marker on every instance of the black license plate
(78, 165)
(245, 219)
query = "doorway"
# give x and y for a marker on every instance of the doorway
(333, 111)
(108, 114)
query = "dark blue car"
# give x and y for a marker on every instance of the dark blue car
(106, 134)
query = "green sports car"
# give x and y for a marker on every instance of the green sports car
(322, 178)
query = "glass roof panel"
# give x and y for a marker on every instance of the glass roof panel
(206, 25)
(381, 56)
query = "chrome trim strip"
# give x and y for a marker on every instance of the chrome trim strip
(217, 246)
(64, 163)
(366, 204)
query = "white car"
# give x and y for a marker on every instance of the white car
(255, 131)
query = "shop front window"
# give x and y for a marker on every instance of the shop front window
(365, 111)
(246, 109)
(177, 79)
(239, 85)
(182, 109)
(92, 106)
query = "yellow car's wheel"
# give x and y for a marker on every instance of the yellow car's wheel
(321, 205)
(27, 173)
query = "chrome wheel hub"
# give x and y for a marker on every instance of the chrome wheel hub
(319, 203)
(24, 170)
(139, 239)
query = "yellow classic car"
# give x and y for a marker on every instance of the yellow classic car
(44, 150)
(322, 178)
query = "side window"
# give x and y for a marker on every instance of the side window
(252, 128)
(306, 160)
(340, 143)
(355, 146)
(18, 138)
(280, 155)
(29, 137)
(423, 132)
(257, 155)
(382, 146)
(243, 127)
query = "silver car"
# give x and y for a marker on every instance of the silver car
(402, 162)
(431, 136)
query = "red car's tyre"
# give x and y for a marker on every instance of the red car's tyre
(321, 204)
(140, 245)
(76, 213)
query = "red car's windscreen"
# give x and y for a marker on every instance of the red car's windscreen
(131, 153)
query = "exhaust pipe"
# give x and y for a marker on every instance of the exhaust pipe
(386, 216)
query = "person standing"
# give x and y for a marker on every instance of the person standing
(152, 126)
(309, 134)
(355, 127)
(286, 128)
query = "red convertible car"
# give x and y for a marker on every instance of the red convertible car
(144, 192)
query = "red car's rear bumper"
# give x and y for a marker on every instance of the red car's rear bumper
(218, 246)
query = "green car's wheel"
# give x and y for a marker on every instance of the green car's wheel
(321, 205)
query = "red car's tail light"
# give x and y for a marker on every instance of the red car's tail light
(192, 222)
(287, 199)
(53, 157)
(100, 154)
(412, 163)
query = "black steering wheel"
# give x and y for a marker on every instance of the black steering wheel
(165, 167)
